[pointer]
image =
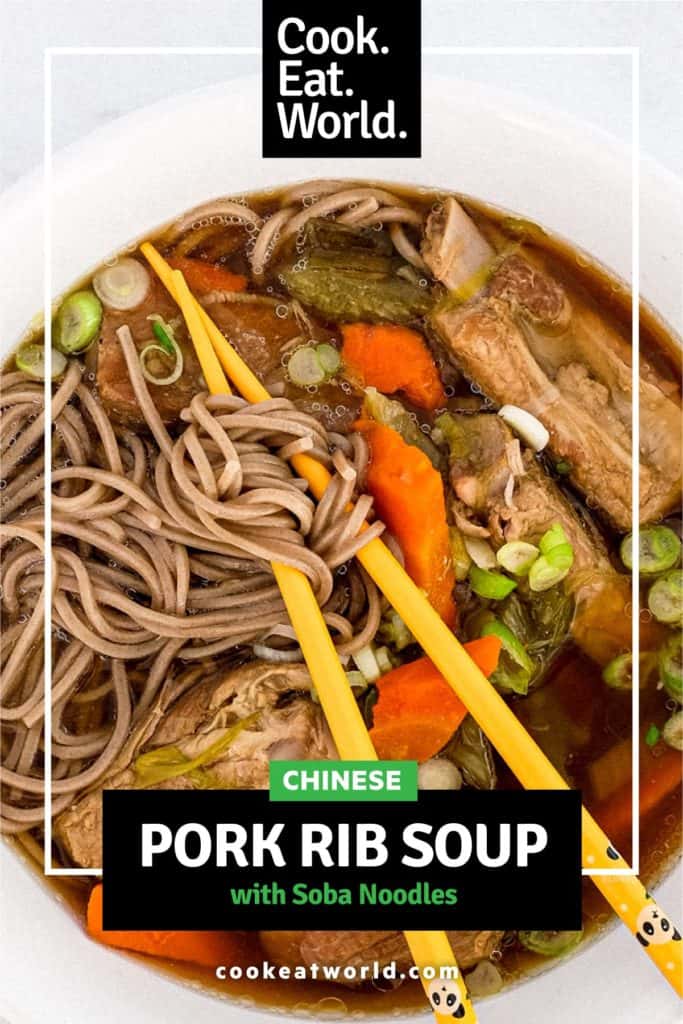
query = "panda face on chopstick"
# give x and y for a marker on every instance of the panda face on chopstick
(654, 928)
(446, 999)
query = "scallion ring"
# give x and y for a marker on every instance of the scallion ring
(177, 370)
(665, 599)
(30, 359)
(163, 332)
(517, 557)
(659, 549)
(491, 585)
(329, 358)
(305, 368)
(124, 285)
(544, 574)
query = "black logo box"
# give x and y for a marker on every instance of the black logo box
(376, 78)
(546, 895)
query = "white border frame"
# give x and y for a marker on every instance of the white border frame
(430, 51)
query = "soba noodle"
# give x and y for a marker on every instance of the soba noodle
(161, 553)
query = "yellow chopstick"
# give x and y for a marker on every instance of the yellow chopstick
(625, 894)
(336, 696)
(343, 716)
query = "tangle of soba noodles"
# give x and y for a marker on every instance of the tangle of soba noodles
(361, 206)
(161, 551)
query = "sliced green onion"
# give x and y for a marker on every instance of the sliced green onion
(366, 662)
(563, 467)
(30, 359)
(304, 367)
(665, 599)
(166, 340)
(659, 546)
(492, 585)
(672, 733)
(515, 667)
(78, 322)
(517, 557)
(124, 285)
(383, 659)
(561, 557)
(543, 574)
(553, 538)
(329, 357)
(618, 673)
(175, 373)
(459, 554)
(480, 551)
(394, 632)
(357, 680)
(652, 735)
(550, 943)
(670, 662)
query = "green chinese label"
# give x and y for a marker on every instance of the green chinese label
(343, 780)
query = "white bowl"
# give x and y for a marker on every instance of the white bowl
(127, 178)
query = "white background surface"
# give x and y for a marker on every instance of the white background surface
(91, 91)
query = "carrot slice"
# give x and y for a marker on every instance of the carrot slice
(485, 653)
(205, 277)
(417, 712)
(206, 948)
(661, 772)
(409, 496)
(393, 358)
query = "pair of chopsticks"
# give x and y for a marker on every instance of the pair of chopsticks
(336, 697)
(625, 893)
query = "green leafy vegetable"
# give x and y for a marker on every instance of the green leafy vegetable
(349, 295)
(471, 752)
(541, 623)
(550, 943)
(454, 434)
(515, 668)
(391, 413)
(164, 763)
(670, 661)
(346, 242)
(349, 275)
